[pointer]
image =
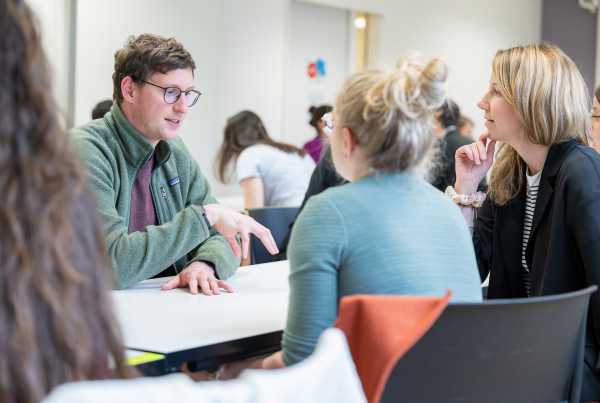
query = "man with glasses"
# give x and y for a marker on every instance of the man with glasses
(158, 213)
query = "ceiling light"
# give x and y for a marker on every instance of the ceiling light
(360, 22)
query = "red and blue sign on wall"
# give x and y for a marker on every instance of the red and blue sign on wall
(316, 69)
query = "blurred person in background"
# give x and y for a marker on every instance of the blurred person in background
(595, 133)
(270, 173)
(101, 108)
(465, 127)
(319, 143)
(449, 139)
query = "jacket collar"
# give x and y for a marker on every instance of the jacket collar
(556, 155)
(136, 148)
(554, 160)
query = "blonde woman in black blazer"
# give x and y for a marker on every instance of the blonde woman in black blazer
(538, 231)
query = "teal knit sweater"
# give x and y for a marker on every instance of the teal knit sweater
(384, 234)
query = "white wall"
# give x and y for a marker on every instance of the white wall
(251, 67)
(316, 32)
(251, 60)
(54, 20)
(369, 6)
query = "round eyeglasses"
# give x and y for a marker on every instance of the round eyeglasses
(172, 94)
(327, 120)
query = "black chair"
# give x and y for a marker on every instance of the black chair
(278, 220)
(512, 350)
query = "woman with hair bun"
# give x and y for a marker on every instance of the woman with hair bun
(538, 231)
(371, 236)
(316, 146)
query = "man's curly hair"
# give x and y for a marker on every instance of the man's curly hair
(145, 55)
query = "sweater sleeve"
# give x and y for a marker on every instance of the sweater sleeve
(316, 249)
(140, 255)
(215, 249)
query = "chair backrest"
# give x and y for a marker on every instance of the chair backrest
(278, 220)
(513, 350)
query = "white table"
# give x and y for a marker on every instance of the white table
(208, 330)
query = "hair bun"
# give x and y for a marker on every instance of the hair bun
(433, 83)
(414, 88)
(312, 110)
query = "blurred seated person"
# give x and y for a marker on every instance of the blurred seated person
(465, 127)
(449, 139)
(319, 143)
(595, 132)
(101, 108)
(371, 236)
(270, 173)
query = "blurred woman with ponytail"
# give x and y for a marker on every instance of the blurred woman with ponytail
(270, 173)
(538, 231)
(315, 147)
(56, 320)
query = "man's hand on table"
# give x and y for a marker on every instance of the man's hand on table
(198, 275)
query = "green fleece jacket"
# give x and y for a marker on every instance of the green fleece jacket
(113, 152)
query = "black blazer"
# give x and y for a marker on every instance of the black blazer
(563, 252)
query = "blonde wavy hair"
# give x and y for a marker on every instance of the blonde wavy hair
(391, 114)
(549, 95)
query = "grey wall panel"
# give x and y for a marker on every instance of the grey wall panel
(573, 29)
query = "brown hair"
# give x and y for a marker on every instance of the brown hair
(145, 55)
(56, 321)
(243, 130)
(391, 114)
(549, 95)
(316, 113)
(597, 93)
(464, 121)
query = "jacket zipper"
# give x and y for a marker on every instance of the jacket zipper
(158, 207)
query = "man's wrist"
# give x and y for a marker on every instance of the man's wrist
(209, 213)
(204, 264)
